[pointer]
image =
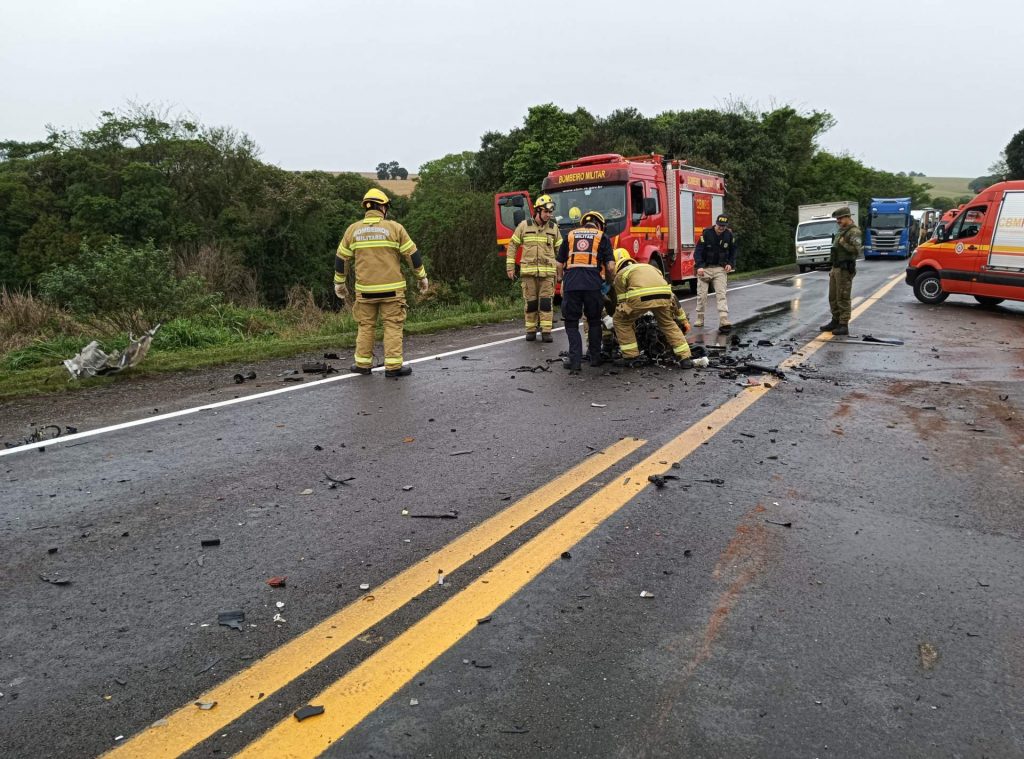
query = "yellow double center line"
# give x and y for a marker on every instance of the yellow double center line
(363, 689)
(189, 725)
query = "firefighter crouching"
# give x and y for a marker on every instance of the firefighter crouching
(540, 239)
(640, 288)
(377, 245)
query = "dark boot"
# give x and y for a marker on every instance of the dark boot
(357, 369)
(685, 363)
(842, 329)
(830, 326)
(531, 336)
(627, 361)
(402, 371)
(572, 366)
(546, 337)
(596, 362)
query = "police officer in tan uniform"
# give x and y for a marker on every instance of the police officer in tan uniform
(640, 288)
(540, 238)
(847, 245)
(713, 258)
(377, 245)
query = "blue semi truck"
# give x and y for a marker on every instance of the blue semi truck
(888, 228)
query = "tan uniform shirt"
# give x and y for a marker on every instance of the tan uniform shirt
(540, 243)
(377, 245)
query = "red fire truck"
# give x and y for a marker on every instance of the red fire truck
(655, 208)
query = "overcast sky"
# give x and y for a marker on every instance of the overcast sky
(935, 87)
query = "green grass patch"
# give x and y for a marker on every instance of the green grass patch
(947, 187)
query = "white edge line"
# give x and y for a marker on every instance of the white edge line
(282, 390)
(233, 401)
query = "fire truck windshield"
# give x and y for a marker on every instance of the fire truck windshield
(610, 200)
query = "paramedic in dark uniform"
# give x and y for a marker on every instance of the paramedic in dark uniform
(585, 264)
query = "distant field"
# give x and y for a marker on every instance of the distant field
(947, 187)
(394, 186)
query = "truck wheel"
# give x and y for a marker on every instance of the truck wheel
(802, 268)
(988, 300)
(657, 263)
(928, 288)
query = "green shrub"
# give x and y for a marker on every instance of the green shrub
(131, 287)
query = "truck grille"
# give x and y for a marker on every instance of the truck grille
(885, 243)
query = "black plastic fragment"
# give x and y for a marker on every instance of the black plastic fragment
(308, 711)
(232, 619)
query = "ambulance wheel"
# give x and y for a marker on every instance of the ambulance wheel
(928, 288)
(988, 300)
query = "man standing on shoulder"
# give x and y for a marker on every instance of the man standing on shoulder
(713, 258)
(585, 261)
(376, 245)
(847, 245)
(540, 239)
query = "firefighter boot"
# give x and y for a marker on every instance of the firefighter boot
(531, 336)
(685, 363)
(402, 371)
(832, 324)
(842, 329)
(546, 337)
(357, 369)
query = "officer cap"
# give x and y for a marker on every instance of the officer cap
(722, 220)
(841, 212)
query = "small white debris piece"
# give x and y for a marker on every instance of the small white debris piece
(599, 405)
(118, 737)
(405, 512)
(280, 604)
(703, 362)
(364, 586)
(279, 618)
(440, 577)
(307, 491)
(646, 594)
(206, 705)
(414, 702)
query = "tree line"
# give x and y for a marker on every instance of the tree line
(143, 179)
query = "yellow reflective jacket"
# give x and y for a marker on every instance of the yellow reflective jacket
(540, 243)
(638, 280)
(377, 246)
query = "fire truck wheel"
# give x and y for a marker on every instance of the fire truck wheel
(988, 300)
(928, 288)
(657, 263)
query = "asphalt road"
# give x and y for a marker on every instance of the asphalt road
(835, 572)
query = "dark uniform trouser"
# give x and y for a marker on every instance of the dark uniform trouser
(392, 312)
(575, 304)
(538, 294)
(664, 311)
(840, 284)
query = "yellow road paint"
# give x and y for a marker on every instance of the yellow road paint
(823, 339)
(188, 726)
(363, 689)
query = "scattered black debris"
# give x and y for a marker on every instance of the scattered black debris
(337, 480)
(442, 515)
(467, 358)
(120, 681)
(515, 731)
(747, 434)
(332, 356)
(209, 666)
(566, 555)
(780, 524)
(524, 390)
(317, 367)
(485, 621)
(929, 408)
(657, 479)
(294, 379)
(318, 447)
(1004, 397)
(670, 476)
(687, 552)
(764, 343)
(240, 378)
(39, 434)
(56, 579)
(734, 341)
(983, 584)
(534, 369)
(278, 582)
(52, 550)
(882, 340)
(232, 619)
(209, 542)
(308, 711)
(459, 453)
(713, 481)
(481, 665)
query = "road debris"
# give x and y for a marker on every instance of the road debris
(460, 453)
(657, 479)
(883, 341)
(599, 405)
(317, 367)
(339, 481)
(566, 555)
(232, 619)
(57, 579)
(440, 577)
(277, 582)
(364, 586)
(928, 655)
(534, 369)
(702, 363)
(484, 621)
(414, 702)
(278, 618)
(307, 491)
(39, 434)
(240, 378)
(308, 711)
(333, 356)
(442, 515)
(93, 360)
(209, 542)
(524, 390)
(209, 666)
(780, 524)
(646, 594)
(206, 705)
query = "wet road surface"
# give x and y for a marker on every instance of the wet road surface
(835, 572)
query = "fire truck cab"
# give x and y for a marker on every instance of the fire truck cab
(656, 209)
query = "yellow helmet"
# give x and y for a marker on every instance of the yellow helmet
(375, 196)
(622, 257)
(595, 216)
(544, 201)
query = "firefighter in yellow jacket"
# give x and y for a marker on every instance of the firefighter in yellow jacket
(376, 246)
(540, 239)
(640, 288)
